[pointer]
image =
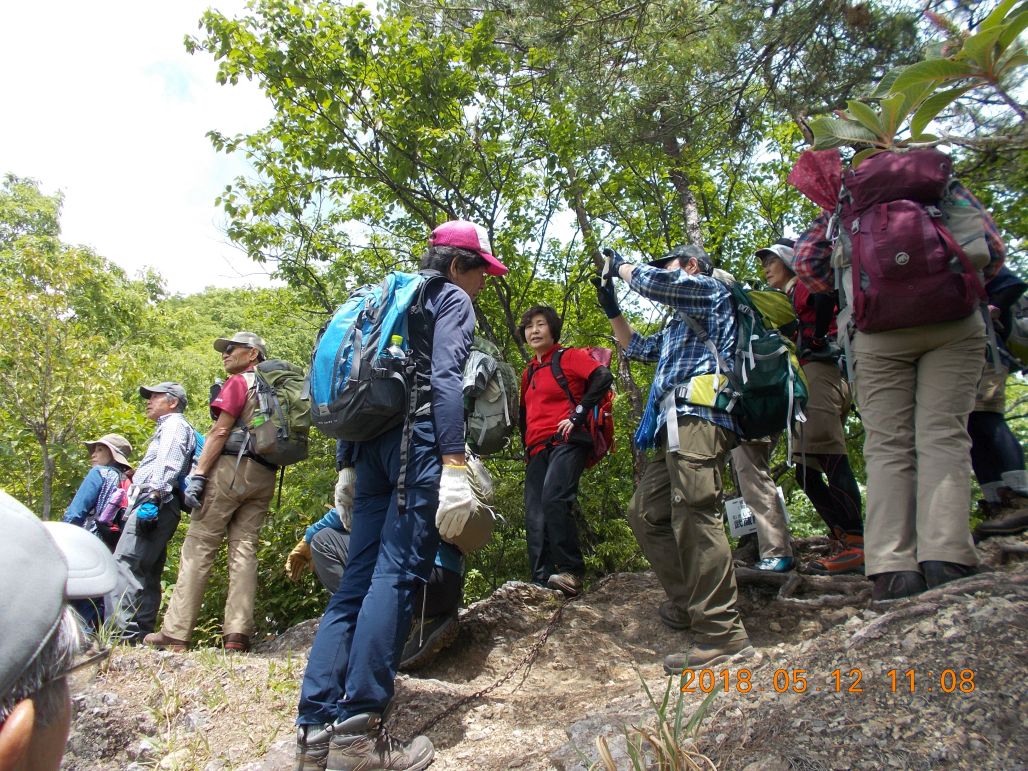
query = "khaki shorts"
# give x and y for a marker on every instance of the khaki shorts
(992, 390)
(827, 405)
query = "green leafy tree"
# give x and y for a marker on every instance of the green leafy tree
(990, 59)
(66, 315)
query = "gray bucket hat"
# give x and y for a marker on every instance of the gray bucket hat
(117, 444)
(242, 338)
(782, 251)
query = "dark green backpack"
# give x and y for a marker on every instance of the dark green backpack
(282, 420)
(768, 388)
(490, 399)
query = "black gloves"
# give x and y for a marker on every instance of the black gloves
(606, 297)
(612, 263)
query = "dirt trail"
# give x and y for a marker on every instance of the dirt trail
(207, 710)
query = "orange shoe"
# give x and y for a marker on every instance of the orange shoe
(848, 559)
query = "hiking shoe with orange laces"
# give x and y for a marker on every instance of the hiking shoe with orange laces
(849, 558)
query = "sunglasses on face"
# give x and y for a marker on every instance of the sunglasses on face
(233, 347)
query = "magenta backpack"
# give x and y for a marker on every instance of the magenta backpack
(906, 267)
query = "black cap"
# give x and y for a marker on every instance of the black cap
(685, 252)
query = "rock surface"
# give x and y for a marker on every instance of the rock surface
(559, 677)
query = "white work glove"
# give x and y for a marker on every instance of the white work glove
(456, 501)
(344, 495)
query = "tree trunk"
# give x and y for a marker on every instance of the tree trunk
(624, 372)
(49, 468)
(682, 184)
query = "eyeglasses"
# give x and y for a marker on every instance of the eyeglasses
(79, 665)
(233, 347)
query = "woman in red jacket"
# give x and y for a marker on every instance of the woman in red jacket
(559, 388)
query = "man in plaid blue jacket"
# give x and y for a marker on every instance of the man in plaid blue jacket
(674, 510)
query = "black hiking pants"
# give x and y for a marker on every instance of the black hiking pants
(551, 487)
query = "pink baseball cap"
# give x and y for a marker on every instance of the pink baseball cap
(467, 235)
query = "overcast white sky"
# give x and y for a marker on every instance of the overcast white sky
(101, 101)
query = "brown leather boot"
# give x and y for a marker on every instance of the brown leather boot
(235, 642)
(163, 642)
(1007, 518)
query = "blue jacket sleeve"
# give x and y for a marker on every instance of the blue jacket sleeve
(85, 498)
(344, 454)
(330, 520)
(451, 343)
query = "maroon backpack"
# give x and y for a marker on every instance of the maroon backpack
(906, 267)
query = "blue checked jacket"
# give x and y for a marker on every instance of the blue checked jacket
(679, 354)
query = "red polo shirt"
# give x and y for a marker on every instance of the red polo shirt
(544, 400)
(232, 397)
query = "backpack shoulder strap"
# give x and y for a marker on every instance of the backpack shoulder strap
(701, 334)
(558, 374)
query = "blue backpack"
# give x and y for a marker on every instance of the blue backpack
(360, 380)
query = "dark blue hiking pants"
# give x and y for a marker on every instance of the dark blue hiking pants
(356, 651)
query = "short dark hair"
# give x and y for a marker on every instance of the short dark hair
(553, 321)
(440, 257)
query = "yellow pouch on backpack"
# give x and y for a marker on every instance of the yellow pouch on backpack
(708, 391)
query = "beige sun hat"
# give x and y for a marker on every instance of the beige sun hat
(117, 444)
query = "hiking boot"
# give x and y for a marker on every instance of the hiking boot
(161, 641)
(312, 746)
(1007, 518)
(568, 583)
(426, 639)
(707, 655)
(775, 564)
(673, 617)
(849, 558)
(235, 642)
(361, 743)
(897, 585)
(937, 572)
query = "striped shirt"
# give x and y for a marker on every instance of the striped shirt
(679, 354)
(169, 450)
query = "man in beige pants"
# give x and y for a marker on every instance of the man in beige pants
(915, 389)
(673, 512)
(235, 486)
(752, 463)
